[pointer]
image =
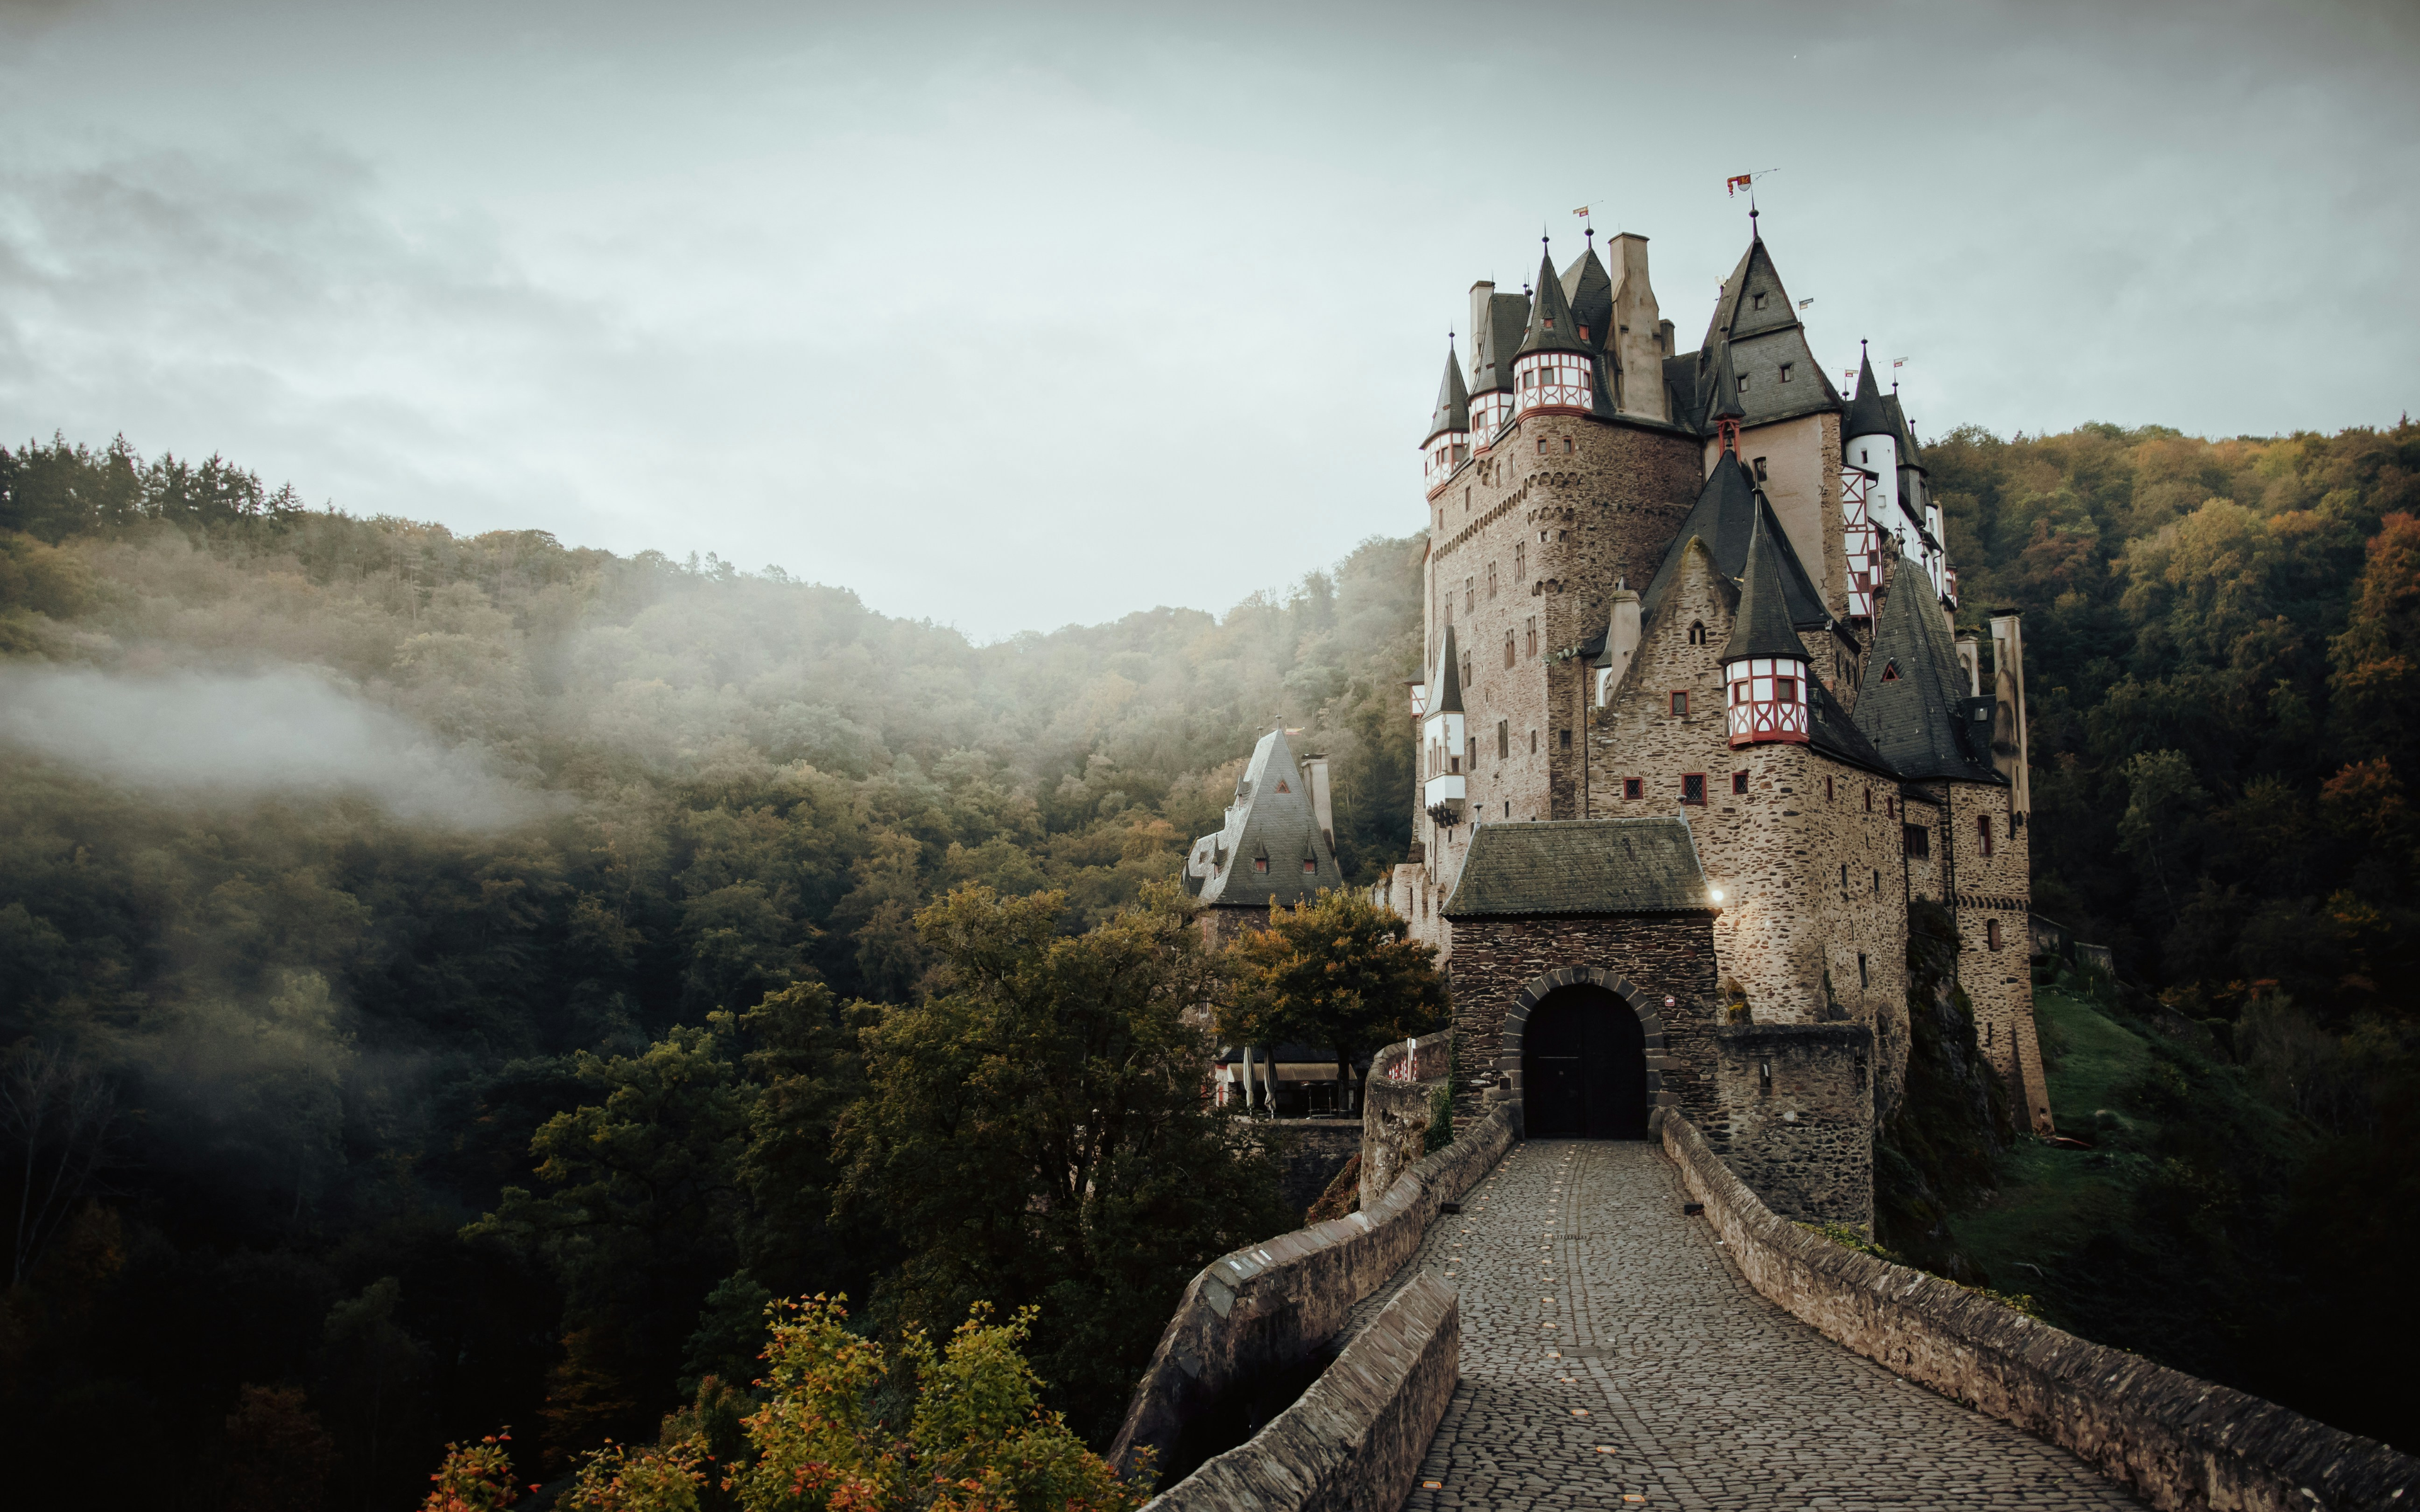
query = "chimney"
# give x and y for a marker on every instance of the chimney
(2008, 716)
(1638, 336)
(1315, 768)
(1970, 658)
(1481, 328)
(1620, 643)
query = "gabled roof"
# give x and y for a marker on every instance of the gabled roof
(1271, 818)
(1581, 866)
(1453, 401)
(1725, 516)
(1761, 625)
(1867, 415)
(1494, 343)
(1445, 687)
(1551, 326)
(1921, 719)
(1589, 289)
(1753, 300)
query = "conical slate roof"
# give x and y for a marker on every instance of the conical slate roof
(1915, 706)
(1589, 290)
(1551, 326)
(1761, 625)
(1769, 353)
(1726, 517)
(1271, 820)
(1866, 416)
(1445, 688)
(1753, 300)
(1453, 401)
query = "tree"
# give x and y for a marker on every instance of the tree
(1034, 1133)
(1334, 970)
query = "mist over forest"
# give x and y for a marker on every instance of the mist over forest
(454, 982)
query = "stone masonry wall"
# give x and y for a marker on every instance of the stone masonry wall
(1814, 921)
(1667, 955)
(1997, 888)
(1551, 529)
(2175, 1441)
(1795, 1121)
(1265, 1310)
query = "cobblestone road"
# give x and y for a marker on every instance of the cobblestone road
(1611, 1355)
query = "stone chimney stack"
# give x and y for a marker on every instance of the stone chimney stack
(1315, 771)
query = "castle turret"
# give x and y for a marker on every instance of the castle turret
(1764, 663)
(1723, 407)
(1449, 440)
(1589, 289)
(1444, 787)
(1555, 371)
(1497, 323)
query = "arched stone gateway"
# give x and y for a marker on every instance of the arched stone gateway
(1587, 1046)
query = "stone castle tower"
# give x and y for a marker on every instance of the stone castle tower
(1702, 594)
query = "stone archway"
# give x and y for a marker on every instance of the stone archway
(1584, 1067)
(1512, 1047)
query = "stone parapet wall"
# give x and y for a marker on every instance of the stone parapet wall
(1258, 1313)
(2174, 1441)
(1353, 1442)
(1395, 1114)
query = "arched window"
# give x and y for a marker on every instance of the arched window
(1697, 633)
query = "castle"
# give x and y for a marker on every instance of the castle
(1697, 728)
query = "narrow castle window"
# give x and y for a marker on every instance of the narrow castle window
(1756, 301)
(1827, 798)
(1634, 788)
(1760, 469)
(1679, 703)
(1983, 833)
(1520, 559)
(1503, 742)
(1869, 800)
(1567, 445)
(1469, 594)
(1693, 787)
(1491, 580)
(1533, 742)
(1509, 655)
(1566, 741)
(1863, 981)
(1533, 635)
(1992, 932)
(1697, 633)
(1743, 382)
(1878, 883)
(1785, 372)
(1920, 842)
(1739, 781)
(1765, 1077)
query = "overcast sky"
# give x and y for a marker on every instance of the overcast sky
(1013, 316)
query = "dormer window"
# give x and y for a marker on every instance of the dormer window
(1697, 633)
(1756, 301)
(1744, 383)
(1890, 672)
(1785, 372)
(1310, 865)
(1759, 465)
(1261, 865)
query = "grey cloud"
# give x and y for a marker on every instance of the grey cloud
(204, 737)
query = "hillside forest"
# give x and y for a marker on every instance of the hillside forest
(452, 983)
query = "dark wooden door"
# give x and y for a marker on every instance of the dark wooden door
(1584, 1068)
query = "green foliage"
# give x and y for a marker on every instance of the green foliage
(1939, 1149)
(1333, 970)
(1036, 1133)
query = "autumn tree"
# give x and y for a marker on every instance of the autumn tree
(1333, 970)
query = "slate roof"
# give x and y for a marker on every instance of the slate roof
(1271, 816)
(1866, 416)
(1551, 326)
(1453, 401)
(1581, 866)
(1445, 688)
(1903, 431)
(1922, 721)
(1723, 390)
(1761, 625)
(1725, 517)
(1589, 288)
(1769, 346)
(1494, 343)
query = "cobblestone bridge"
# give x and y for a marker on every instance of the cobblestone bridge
(1612, 1356)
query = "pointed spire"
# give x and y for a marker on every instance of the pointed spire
(1452, 413)
(1866, 416)
(1762, 627)
(1551, 326)
(1589, 289)
(1447, 684)
(1920, 716)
